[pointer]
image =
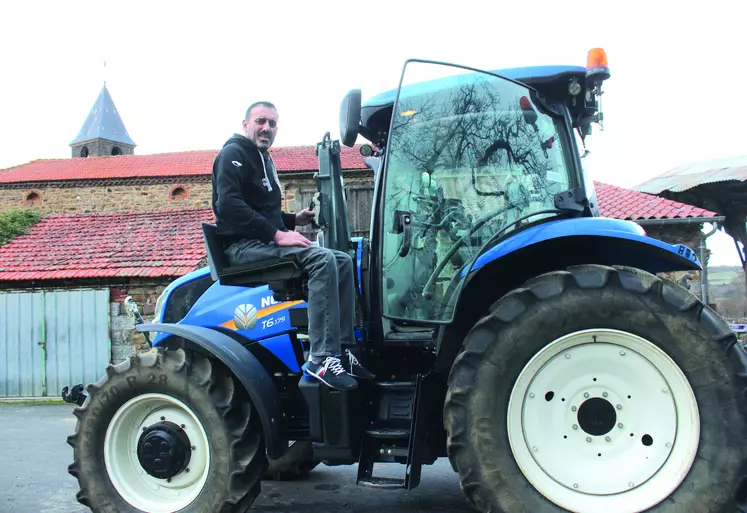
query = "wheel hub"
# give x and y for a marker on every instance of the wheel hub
(596, 416)
(164, 450)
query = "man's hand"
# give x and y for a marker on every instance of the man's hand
(304, 217)
(291, 239)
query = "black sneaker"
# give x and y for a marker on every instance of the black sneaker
(332, 373)
(354, 367)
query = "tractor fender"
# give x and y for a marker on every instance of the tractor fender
(244, 365)
(597, 240)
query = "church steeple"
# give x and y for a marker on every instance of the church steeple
(103, 133)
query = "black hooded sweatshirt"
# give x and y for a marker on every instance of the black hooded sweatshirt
(246, 194)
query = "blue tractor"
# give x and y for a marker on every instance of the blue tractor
(511, 329)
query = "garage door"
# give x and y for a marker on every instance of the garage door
(52, 339)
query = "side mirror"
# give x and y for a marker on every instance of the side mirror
(350, 117)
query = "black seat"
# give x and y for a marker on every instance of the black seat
(284, 276)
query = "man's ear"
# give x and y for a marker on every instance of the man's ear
(245, 125)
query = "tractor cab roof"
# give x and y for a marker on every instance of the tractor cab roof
(553, 81)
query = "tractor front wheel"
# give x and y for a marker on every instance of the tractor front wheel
(598, 389)
(167, 431)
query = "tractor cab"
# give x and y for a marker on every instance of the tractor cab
(464, 159)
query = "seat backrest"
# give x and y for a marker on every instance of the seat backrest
(216, 257)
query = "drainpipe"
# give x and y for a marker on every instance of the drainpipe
(704, 272)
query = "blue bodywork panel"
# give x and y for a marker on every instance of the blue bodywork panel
(269, 320)
(527, 74)
(672, 258)
(282, 347)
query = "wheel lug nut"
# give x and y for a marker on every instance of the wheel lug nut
(567, 356)
(604, 394)
(163, 418)
(668, 445)
(619, 406)
(586, 395)
(588, 439)
(664, 390)
(620, 425)
(573, 408)
(534, 448)
(531, 396)
(575, 485)
(622, 353)
(630, 484)
(575, 426)
(607, 438)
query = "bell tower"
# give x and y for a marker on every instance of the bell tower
(103, 133)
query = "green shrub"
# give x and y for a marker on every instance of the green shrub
(15, 222)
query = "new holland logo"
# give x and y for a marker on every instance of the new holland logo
(245, 317)
(236, 163)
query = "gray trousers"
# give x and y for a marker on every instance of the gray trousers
(331, 304)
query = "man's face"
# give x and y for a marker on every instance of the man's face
(261, 126)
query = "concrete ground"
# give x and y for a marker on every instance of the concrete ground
(34, 459)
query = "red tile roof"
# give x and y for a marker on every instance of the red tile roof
(139, 244)
(622, 203)
(287, 159)
(169, 243)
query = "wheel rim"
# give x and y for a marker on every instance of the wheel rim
(136, 486)
(572, 412)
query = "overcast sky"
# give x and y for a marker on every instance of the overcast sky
(181, 76)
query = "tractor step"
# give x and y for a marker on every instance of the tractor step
(388, 434)
(409, 339)
(382, 483)
(393, 434)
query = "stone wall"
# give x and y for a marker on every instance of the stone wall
(125, 339)
(127, 195)
(689, 235)
(56, 198)
(101, 148)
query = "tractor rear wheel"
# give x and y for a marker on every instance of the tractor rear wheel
(296, 463)
(167, 431)
(598, 389)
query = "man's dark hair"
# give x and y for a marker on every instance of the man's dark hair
(269, 105)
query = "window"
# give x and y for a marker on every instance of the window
(469, 157)
(179, 192)
(32, 197)
(116, 150)
(84, 152)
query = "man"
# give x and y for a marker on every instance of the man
(247, 205)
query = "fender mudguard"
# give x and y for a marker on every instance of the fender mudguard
(244, 365)
(602, 240)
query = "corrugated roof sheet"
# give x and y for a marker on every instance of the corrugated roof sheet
(688, 176)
